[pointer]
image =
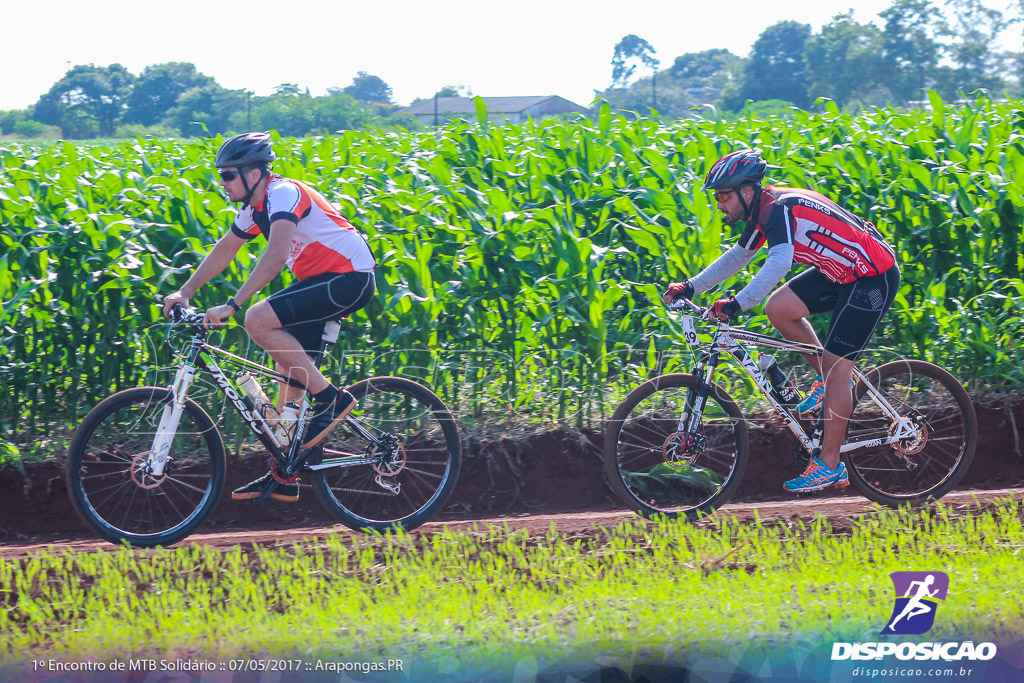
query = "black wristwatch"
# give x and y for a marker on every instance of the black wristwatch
(232, 304)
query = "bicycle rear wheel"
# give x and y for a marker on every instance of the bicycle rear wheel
(649, 466)
(107, 480)
(927, 465)
(419, 458)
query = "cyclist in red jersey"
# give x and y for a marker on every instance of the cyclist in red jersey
(332, 262)
(854, 274)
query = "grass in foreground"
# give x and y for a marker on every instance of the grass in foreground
(658, 591)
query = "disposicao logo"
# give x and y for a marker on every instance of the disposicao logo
(916, 601)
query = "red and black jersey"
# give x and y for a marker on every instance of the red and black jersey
(823, 234)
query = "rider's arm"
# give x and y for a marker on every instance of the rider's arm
(775, 267)
(271, 262)
(722, 268)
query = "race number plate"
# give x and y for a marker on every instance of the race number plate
(689, 331)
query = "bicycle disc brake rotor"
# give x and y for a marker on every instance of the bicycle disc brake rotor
(394, 461)
(141, 474)
(682, 449)
(913, 445)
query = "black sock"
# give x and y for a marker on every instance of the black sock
(327, 395)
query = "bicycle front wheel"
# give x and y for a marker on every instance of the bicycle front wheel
(108, 481)
(657, 470)
(416, 452)
(926, 464)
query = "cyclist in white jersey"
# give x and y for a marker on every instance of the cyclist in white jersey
(331, 261)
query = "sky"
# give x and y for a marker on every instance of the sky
(522, 47)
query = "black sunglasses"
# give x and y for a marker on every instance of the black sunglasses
(228, 176)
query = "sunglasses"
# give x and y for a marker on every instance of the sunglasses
(228, 176)
(722, 195)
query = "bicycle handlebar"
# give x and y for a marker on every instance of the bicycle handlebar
(180, 314)
(681, 305)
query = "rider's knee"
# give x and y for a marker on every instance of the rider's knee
(254, 323)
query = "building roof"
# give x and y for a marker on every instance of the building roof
(495, 105)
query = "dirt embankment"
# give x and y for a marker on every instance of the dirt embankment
(554, 473)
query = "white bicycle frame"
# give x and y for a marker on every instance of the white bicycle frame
(727, 340)
(157, 458)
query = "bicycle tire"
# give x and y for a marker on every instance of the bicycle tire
(920, 469)
(427, 458)
(639, 433)
(132, 507)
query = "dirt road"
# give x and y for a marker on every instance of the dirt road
(835, 508)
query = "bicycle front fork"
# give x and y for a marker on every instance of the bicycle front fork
(169, 420)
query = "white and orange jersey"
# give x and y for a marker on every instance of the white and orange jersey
(324, 242)
(840, 245)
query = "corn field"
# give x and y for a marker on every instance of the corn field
(520, 265)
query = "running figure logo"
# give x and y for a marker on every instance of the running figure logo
(916, 600)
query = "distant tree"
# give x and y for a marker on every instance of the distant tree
(975, 29)
(9, 119)
(845, 62)
(206, 110)
(158, 88)
(706, 76)
(776, 69)
(1017, 59)
(693, 80)
(454, 91)
(340, 111)
(290, 90)
(88, 100)
(630, 52)
(910, 47)
(707, 68)
(290, 111)
(369, 88)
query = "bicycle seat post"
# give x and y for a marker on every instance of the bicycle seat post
(332, 328)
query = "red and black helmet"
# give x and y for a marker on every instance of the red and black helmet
(738, 168)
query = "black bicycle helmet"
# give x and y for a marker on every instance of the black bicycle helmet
(738, 168)
(248, 150)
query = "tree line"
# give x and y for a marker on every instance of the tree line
(176, 99)
(914, 46)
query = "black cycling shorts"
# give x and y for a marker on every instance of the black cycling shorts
(304, 307)
(856, 307)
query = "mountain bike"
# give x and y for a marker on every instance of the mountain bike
(147, 465)
(678, 444)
